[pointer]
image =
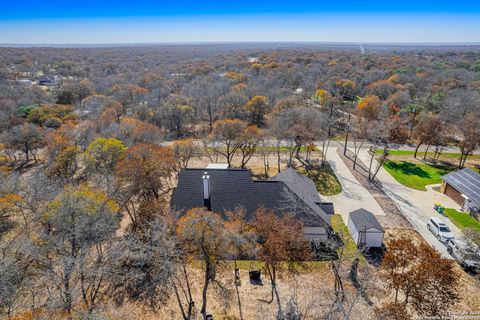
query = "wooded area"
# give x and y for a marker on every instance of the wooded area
(88, 163)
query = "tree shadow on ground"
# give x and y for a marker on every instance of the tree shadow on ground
(407, 168)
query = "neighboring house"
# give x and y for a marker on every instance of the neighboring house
(24, 82)
(365, 229)
(463, 187)
(222, 190)
(47, 81)
(218, 166)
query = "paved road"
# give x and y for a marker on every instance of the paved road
(417, 206)
(353, 196)
(408, 147)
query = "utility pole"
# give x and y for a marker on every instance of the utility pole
(414, 114)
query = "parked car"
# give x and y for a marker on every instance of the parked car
(465, 255)
(440, 229)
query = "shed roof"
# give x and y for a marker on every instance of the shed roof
(363, 219)
(466, 181)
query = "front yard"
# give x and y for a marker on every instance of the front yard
(415, 174)
(462, 220)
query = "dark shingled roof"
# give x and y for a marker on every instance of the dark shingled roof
(304, 188)
(466, 181)
(364, 219)
(231, 188)
(298, 183)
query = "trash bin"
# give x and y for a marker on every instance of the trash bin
(255, 277)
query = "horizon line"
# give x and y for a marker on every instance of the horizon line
(180, 43)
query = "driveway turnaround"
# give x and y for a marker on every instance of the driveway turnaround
(416, 205)
(353, 196)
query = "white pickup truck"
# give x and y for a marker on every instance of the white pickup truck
(465, 255)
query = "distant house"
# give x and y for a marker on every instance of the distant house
(365, 229)
(298, 91)
(47, 81)
(24, 82)
(218, 166)
(224, 189)
(463, 187)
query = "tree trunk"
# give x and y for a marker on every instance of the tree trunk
(203, 310)
(357, 151)
(68, 293)
(26, 152)
(238, 293)
(426, 151)
(272, 282)
(370, 166)
(463, 160)
(346, 135)
(266, 164)
(416, 150)
(382, 161)
(278, 157)
(412, 124)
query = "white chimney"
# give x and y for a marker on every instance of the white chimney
(206, 191)
(206, 185)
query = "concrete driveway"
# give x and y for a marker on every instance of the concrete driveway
(353, 196)
(417, 206)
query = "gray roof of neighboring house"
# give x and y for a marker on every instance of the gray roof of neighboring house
(231, 188)
(466, 181)
(364, 219)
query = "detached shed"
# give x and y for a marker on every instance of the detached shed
(365, 229)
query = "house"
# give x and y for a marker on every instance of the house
(365, 229)
(218, 166)
(47, 81)
(24, 82)
(463, 187)
(224, 189)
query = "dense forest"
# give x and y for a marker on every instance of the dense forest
(91, 141)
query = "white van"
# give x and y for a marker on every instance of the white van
(440, 229)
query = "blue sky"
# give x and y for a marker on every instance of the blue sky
(142, 21)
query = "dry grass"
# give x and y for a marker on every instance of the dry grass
(312, 290)
(468, 288)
